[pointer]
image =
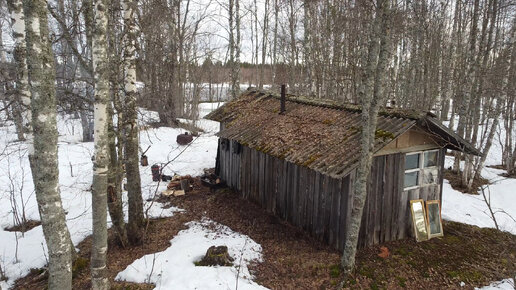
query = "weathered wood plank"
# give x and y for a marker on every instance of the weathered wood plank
(301, 196)
(316, 205)
(349, 204)
(380, 193)
(387, 197)
(335, 212)
(309, 200)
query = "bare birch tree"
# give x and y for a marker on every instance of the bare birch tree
(46, 173)
(372, 96)
(234, 46)
(135, 226)
(100, 166)
(22, 93)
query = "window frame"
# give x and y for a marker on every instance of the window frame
(421, 169)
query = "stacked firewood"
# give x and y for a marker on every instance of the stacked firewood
(179, 185)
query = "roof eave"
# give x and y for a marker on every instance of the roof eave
(450, 139)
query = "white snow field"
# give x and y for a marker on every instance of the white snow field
(174, 268)
(19, 253)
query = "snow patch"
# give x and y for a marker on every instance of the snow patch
(19, 253)
(174, 268)
(505, 284)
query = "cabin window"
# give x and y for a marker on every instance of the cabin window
(421, 169)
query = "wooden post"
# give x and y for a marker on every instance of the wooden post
(283, 99)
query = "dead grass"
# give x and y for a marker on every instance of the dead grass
(456, 183)
(294, 260)
(25, 227)
(505, 174)
(178, 124)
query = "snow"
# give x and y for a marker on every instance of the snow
(174, 267)
(505, 284)
(472, 209)
(19, 253)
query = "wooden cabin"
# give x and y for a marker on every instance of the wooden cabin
(300, 164)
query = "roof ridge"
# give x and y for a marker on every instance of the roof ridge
(332, 104)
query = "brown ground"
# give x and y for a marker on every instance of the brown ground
(27, 226)
(456, 182)
(294, 260)
(502, 167)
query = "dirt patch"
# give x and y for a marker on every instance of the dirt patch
(177, 124)
(294, 260)
(24, 227)
(501, 167)
(456, 183)
(466, 254)
(159, 234)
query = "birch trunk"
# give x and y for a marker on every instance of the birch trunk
(372, 96)
(22, 93)
(234, 46)
(506, 58)
(275, 45)
(115, 169)
(45, 163)
(136, 220)
(265, 33)
(293, 54)
(100, 167)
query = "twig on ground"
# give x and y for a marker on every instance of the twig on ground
(240, 263)
(487, 200)
(152, 268)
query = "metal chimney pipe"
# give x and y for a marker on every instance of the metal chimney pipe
(283, 99)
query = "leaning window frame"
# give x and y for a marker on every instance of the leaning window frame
(421, 168)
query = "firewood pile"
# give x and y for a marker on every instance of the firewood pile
(179, 185)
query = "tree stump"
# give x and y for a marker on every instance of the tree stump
(216, 256)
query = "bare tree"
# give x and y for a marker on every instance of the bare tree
(136, 224)
(99, 278)
(22, 93)
(46, 172)
(372, 95)
(234, 46)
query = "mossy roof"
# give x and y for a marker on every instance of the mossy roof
(322, 135)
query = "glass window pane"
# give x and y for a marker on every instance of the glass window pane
(434, 218)
(430, 158)
(411, 161)
(430, 176)
(411, 179)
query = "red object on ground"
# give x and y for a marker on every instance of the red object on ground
(384, 252)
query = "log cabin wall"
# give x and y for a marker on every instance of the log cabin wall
(387, 210)
(320, 204)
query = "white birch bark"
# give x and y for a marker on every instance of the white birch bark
(46, 173)
(100, 167)
(22, 82)
(136, 220)
(506, 58)
(234, 46)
